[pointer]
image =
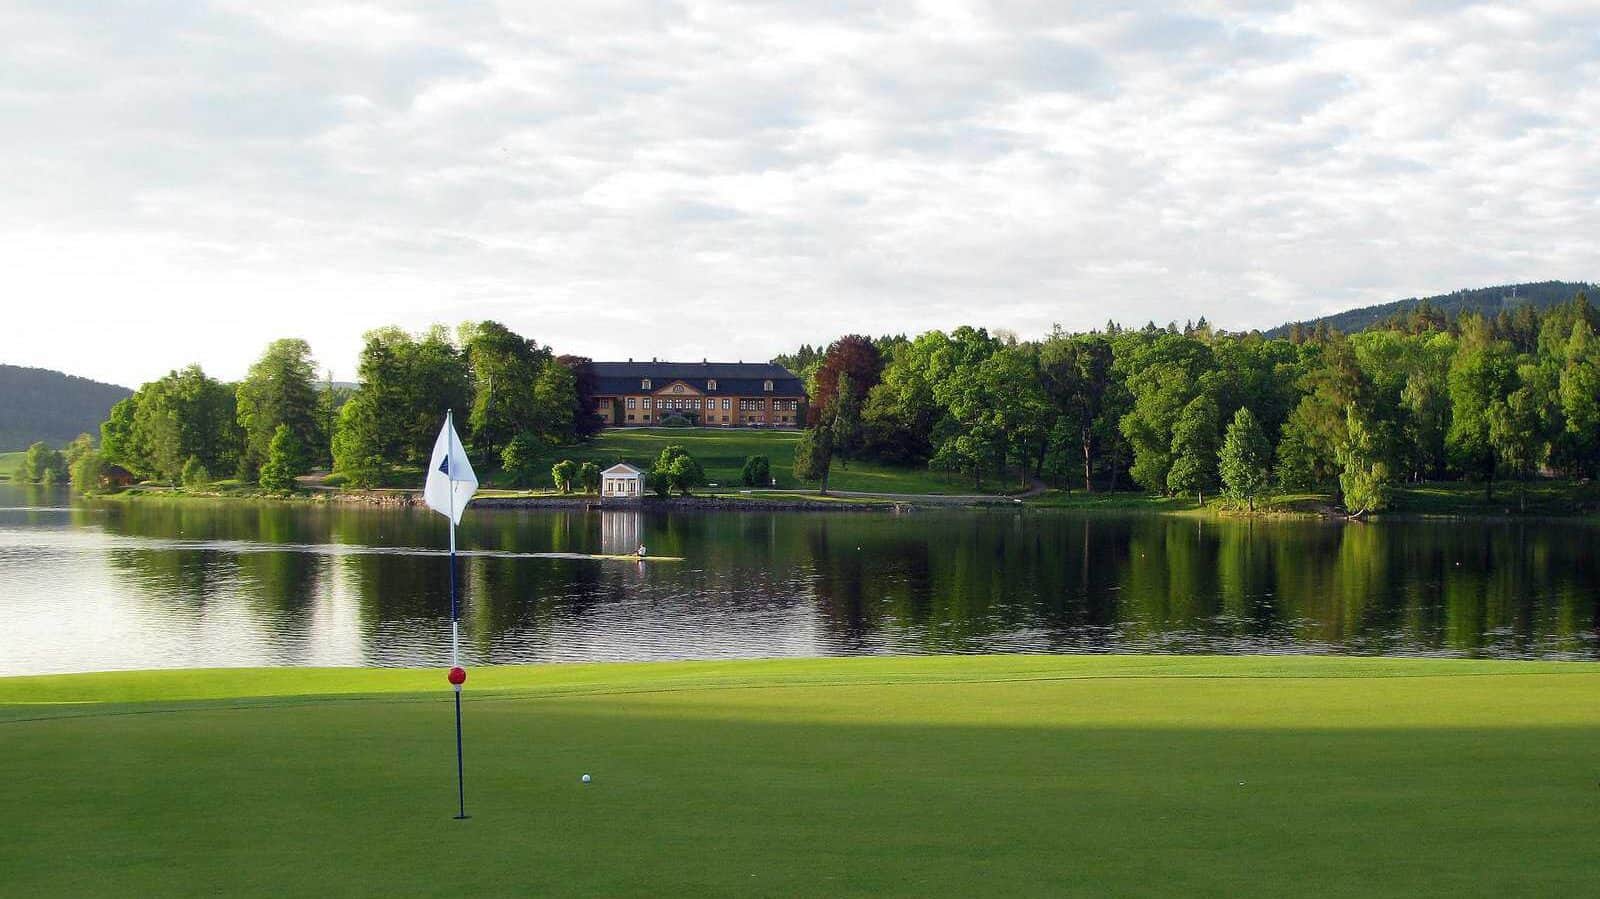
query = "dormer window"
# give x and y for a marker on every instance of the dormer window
(711, 384)
(767, 386)
(644, 384)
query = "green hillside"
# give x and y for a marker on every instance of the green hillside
(721, 452)
(39, 404)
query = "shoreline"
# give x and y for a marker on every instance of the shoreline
(1088, 504)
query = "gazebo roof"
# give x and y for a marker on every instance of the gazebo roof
(623, 468)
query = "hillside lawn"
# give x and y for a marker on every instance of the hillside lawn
(944, 776)
(9, 463)
(722, 453)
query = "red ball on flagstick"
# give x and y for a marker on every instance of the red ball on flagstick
(458, 675)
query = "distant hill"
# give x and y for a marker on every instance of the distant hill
(39, 404)
(1486, 300)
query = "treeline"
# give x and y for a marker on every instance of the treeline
(1486, 301)
(1192, 410)
(280, 421)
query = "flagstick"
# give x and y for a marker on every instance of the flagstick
(455, 636)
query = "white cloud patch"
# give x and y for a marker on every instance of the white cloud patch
(184, 181)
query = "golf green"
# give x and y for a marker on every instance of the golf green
(988, 775)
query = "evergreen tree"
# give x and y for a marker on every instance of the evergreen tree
(1245, 461)
(813, 456)
(358, 443)
(278, 390)
(286, 459)
(846, 419)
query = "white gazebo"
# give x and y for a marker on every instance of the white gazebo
(621, 481)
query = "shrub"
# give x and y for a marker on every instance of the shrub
(675, 421)
(195, 473)
(676, 470)
(757, 472)
(589, 477)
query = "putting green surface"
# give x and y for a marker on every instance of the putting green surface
(990, 775)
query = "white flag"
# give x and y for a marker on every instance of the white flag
(451, 482)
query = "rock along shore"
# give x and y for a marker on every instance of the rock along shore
(676, 503)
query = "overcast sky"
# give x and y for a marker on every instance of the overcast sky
(181, 182)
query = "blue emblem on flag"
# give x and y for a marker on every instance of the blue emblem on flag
(445, 465)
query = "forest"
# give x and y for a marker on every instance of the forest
(1193, 410)
(1190, 410)
(280, 421)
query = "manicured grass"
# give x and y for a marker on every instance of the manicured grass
(1023, 775)
(9, 463)
(1544, 497)
(722, 453)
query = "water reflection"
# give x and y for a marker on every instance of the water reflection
(153, 584)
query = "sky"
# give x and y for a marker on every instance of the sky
(183, 182)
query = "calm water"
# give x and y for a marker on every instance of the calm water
(102, 586)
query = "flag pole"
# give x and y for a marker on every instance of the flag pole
(455, 633)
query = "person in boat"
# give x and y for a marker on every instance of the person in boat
(640, 552)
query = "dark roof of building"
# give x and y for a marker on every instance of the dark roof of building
(733, 378)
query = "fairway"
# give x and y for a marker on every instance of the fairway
(990, 775)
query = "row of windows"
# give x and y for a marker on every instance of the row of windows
(671, 403)
(711, 419)
(711, 384)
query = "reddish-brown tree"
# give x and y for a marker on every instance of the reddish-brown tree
(854, 355)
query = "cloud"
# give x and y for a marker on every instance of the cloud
(185, 181)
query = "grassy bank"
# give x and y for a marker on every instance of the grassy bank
(1556, 499)
(9, 463)
(939, 776)
(1546, 498)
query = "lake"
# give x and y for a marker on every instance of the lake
(90, 586)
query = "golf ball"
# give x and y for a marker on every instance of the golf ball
(586, 778)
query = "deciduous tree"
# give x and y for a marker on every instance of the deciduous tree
(1194, 449)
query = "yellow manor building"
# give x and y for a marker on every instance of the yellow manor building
(714, 394)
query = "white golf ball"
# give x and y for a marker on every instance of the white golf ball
(586, 778)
